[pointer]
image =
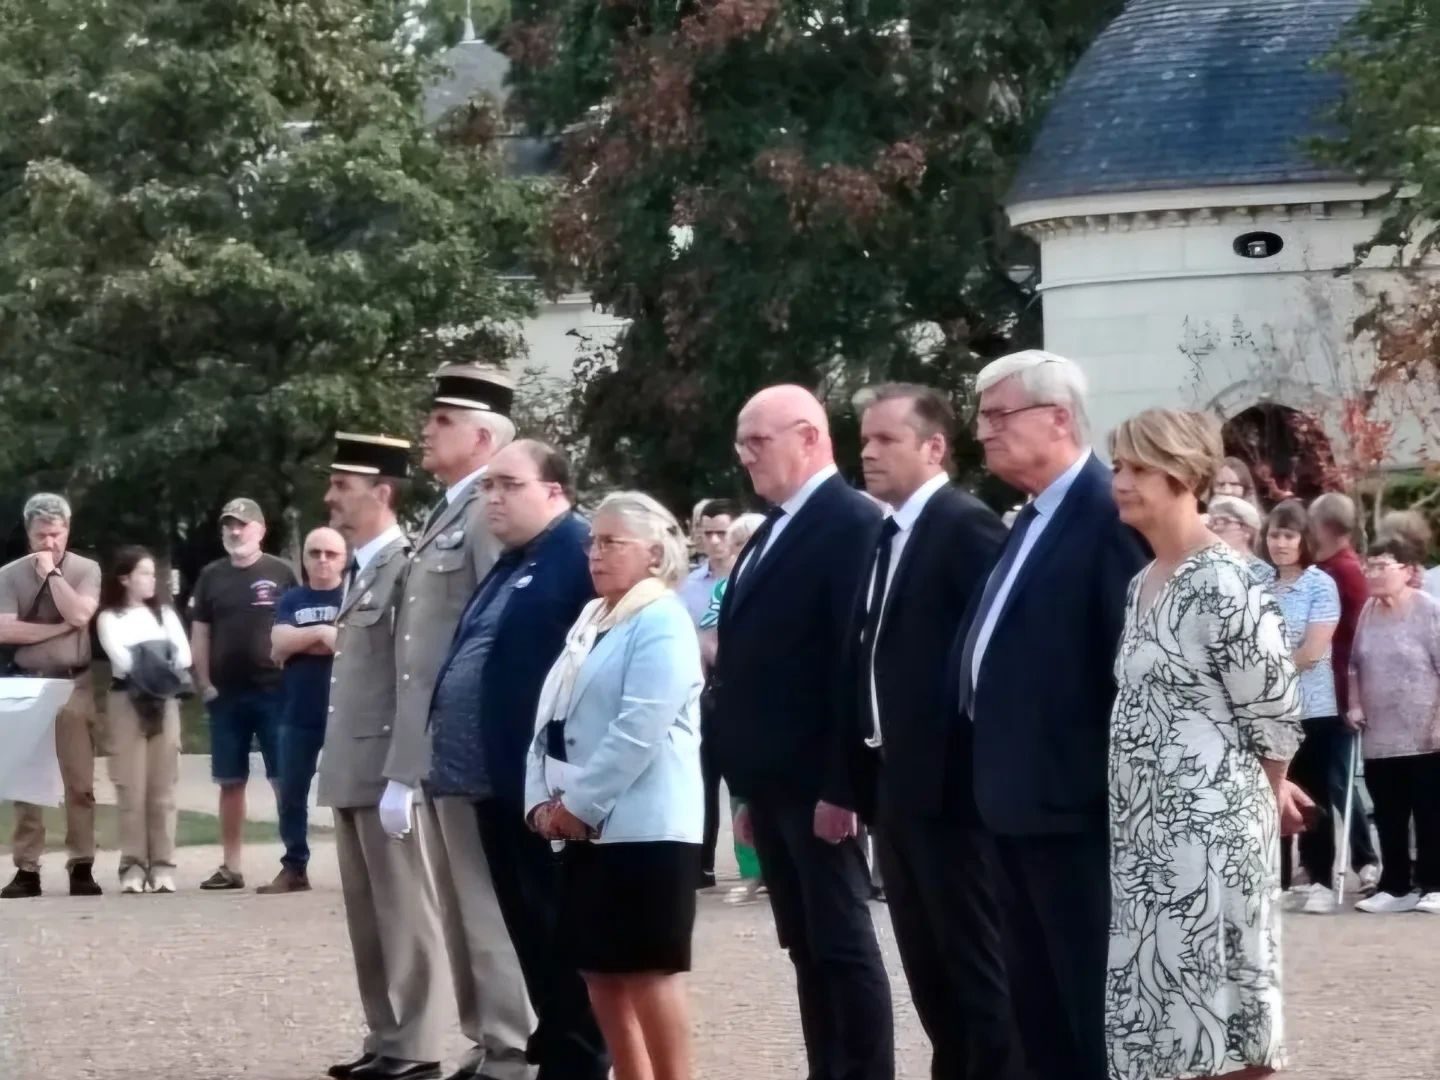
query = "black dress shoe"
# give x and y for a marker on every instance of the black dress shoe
(25, 885)
(344, 1070)
(384, 1068)
(82, 880)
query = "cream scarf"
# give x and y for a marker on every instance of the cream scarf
(594, 620)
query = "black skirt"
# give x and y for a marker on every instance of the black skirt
(628, 908)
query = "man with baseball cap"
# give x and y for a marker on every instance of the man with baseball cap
(231, 611)
(467, 424)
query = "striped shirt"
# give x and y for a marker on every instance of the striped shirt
(1309, 600)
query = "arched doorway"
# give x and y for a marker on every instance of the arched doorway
(1287, 451)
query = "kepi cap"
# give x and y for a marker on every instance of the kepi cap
(371, 455)
(474, 386)
(246, 510)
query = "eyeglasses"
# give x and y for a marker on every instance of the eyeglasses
(999, 419)
(321, 553)
(754, 444)
(1380, 566)
(1220, 521)
(609, 545)
(1222, 487)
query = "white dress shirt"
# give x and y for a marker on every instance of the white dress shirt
(1046, 503)
(365, 554)
(905, 518)
(453, 491)
(791, 507)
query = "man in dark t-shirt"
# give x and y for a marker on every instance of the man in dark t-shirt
(303, 640)
(232, 610)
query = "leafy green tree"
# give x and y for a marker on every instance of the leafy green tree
(804, 190)
(225, 233)
(1388, 130)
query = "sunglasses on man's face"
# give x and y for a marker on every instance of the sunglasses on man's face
(321, 553)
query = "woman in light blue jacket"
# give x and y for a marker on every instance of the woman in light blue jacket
(614, 774)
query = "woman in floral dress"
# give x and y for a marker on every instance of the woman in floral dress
(1205, 720)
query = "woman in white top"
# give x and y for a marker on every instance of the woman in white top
(614, 773)
(144, 737)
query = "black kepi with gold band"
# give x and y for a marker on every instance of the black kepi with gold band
(371, 455)
(474, 386)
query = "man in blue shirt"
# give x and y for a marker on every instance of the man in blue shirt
(303, 642)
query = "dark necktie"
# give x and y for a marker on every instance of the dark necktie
(757, 550)
(992, 586)
(871, 630)
(351, 573)
(436, 514)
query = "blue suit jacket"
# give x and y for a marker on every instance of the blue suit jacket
(633, 730)
(784, 681)
(544, 602)
(1047, 678)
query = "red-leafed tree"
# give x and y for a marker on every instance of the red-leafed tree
(779, 190)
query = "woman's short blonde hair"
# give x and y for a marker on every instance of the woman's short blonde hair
(741, 529)
(1184, 445)
(647, 520)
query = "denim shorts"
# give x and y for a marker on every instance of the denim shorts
(239, 719)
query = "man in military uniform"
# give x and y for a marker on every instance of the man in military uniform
(468, 423)
(390, 904)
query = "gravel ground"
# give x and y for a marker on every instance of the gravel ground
(222, 986)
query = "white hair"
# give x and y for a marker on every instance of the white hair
(741, 529)
(1242, 510)
(649, 521)
(501, 428)
(46, 507)
(1047, 379)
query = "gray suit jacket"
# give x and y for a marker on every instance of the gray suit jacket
(448, 562)
(362, 686)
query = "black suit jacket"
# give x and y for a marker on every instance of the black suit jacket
(1047, 679)
(784, 679)
(925, 755)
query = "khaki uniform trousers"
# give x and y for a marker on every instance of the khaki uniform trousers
(495, 1011)
(395, 936)
(144, 772)
(75, 747)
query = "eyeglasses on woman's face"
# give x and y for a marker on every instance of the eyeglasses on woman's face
(605, 546)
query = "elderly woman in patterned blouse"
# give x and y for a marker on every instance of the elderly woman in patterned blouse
(1205, 720)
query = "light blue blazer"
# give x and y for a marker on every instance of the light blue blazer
(634, 733)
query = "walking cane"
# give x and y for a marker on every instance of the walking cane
(1343, 863)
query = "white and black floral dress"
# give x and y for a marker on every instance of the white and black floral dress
(1206, 690)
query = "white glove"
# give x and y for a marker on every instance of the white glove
(397, 810)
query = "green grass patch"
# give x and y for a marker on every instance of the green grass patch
(192, 829)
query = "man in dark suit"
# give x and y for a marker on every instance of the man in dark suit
(483, 717)
(930, 561)
(783, 688)
(1033, 668)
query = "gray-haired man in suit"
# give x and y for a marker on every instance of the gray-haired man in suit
(390, 904)
(468, 422)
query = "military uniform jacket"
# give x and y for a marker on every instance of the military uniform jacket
(361, 716)
(450, 559)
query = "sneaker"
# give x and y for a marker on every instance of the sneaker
(24, 885)
(82, 880)
(1383, 903)
(1321, 901)
(287, 881)
(1429, 903)
(162, 880)
(1369, 879)
(223, 878)
(1297, 896)
(132, 879)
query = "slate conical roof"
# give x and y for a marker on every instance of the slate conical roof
(1191, 93)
